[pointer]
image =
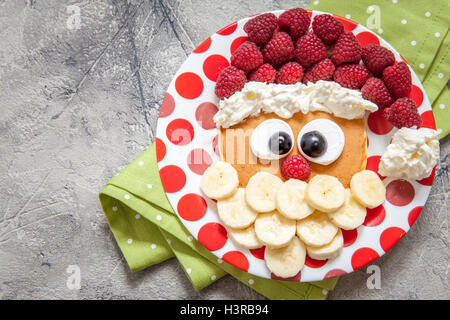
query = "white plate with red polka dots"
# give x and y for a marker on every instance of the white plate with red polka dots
(187, 144)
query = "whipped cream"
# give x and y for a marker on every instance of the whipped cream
(285, 100)
(412, 154)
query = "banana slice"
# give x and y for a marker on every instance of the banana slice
(261, 191)
(235, 212)
(316, 230)
(274, 230)
(245, 238)
(288, 261)
(219, 181)
(351, 215)
(368, 189)
(291, 200)
(325, 193)
(328, 251)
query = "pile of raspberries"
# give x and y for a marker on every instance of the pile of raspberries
(287, 50)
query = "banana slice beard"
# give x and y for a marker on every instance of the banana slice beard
(288, 261)
(325, 193)
(368, 189)
(351, 215)
(328, 251)
(219, 181)
(316, 230)
(234, 211)
(274, 230)
(261, 191)
(291, 200)
(245, 238)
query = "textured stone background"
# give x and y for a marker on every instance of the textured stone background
(79, 104)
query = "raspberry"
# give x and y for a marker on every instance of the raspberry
(352, 76)
(327, 28)
(247, 57)
(375, 91)
(322, 70)
(230, 80)
(403, 113)
(279, 49)
(397, 79)
(261, 28)
(346, 49)
(295, 167)
(310, 50)
(376, 58)
(266, 73)
(295, 21)
(289, 73)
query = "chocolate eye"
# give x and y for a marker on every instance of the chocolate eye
(280, 143)
(272, 139)
(321, 141)
(313, 144)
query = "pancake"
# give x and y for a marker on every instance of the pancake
(239, 155)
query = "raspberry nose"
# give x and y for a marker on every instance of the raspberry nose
(295, 167)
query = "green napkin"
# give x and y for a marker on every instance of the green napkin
(142, 220)
(418, 29)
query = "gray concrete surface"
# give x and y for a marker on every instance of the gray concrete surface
(79, 100)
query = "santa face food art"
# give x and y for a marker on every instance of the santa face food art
(292, 137)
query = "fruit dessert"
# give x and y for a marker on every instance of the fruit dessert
(293, 143)
(333, 143)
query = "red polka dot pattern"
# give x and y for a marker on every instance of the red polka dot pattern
(180, 132)
(187, 111)
(375, 216)
(400, 192)
(362, 257)
(198, 161)
(237, 259)
(416, 94)
(414, 214)
(258, 253)
(189, 85)
(348, 24)
(228, 29)
(378, 124)
(373, 164)
(334, 273)
(167, 106)
(313, 263)
(204, 115)
(204, 46)
(390, 237)
(295, 278)
(213, 65)
(173, 178)
(365, 38)
(428, 120)
(160, 149)
(428, 181)
(236, 43)
(192, 207)
(213, 236)
(216, 145)
(350, 237)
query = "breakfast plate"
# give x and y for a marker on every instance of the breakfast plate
(188, 142)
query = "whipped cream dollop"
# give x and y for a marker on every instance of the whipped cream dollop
(412, 154)
(285, 100)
